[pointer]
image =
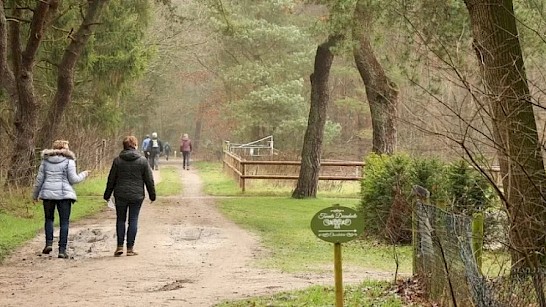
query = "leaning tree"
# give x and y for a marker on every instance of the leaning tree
(505, 84)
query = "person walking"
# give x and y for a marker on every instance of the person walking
(53, 185)
(185, 149)
(167, 150)
(145, 143)
(155, 147)
(128, 176)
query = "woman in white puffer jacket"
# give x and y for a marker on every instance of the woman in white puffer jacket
(53, 185)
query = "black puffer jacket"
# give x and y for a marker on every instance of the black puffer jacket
(129, 174)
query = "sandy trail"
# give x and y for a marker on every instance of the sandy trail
(189, 255)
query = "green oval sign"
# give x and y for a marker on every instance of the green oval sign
(337, 224)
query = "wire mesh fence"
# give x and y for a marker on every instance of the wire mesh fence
(449, 262)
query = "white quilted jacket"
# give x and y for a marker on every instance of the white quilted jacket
(56, 175)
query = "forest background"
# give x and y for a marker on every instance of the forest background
(328, 79)
(239, 71)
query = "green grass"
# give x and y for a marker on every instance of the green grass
(170, 183)
(94, 185)
(218, 183)
(370, 293)
(284, 226)
(496, 263)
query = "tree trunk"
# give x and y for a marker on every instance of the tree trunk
(26, 104)
(515, 132)
(65, 74)
(312, 142)
(6, 74)
(7, 78)
(381, 92)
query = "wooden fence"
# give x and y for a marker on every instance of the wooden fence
(244, 170)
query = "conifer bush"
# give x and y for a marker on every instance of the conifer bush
(384, 176)
(386, 192)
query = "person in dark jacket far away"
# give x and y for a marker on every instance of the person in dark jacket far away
(185, 149)
(129, 174)
(155, 147)
(167, 150)
(53, 185)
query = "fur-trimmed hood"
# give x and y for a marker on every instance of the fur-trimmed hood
(57, 155)
(56, 175)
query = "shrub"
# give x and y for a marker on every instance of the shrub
(384, 177)
(430, 174)
(468, 190)
(387, 192)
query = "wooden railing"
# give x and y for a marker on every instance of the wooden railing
(241, 169)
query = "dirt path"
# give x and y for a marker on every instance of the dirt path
(189, 255)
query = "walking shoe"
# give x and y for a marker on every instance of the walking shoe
(119, 251)
(63, 255)
(47, 249)
(131, 252)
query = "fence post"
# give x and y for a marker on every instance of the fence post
(243, 177)
(477, 238)
(422, 195)
(103, 151)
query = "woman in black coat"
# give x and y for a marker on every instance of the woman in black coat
(129, 174)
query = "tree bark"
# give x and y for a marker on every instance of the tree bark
(380, 90)
(312, 142)
(515, 132)
(18, 81)
(26, 104)
(6, 74)
(7, 77)
(65, 74)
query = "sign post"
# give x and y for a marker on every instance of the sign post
(337, 224)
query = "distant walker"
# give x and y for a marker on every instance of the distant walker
(185, 148)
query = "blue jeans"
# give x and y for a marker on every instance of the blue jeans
(64, 207)
(122, 207)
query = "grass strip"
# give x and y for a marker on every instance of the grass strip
(369, 293)
(218, 183)
(171, 183)
(283, 224)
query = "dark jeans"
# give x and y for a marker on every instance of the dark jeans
(154, 159)
(186, 159)
(122, 207)
(64, 207)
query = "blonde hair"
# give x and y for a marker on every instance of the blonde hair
(130, 142)
(60, 144)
